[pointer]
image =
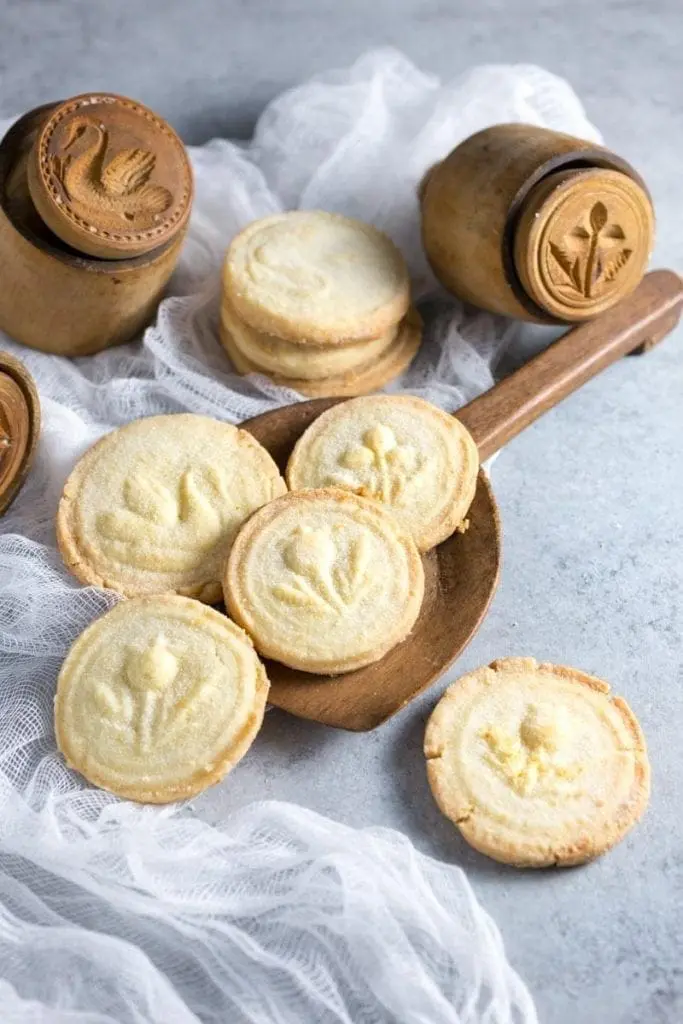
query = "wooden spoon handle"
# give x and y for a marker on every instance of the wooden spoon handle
(637, 323)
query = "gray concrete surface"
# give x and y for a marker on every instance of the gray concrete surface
(591, 496)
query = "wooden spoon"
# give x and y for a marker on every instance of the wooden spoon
(461, 575)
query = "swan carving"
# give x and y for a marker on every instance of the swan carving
(95, 184)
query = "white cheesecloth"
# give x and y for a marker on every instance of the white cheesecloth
(115, 913)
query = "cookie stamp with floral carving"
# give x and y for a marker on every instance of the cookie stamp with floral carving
(324, 581)
(110, 177)
(584, 241)
(401, 451)
(158, 699)
(154, 506)
(537, 764)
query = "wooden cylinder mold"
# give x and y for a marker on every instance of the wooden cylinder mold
(534, 224)
(117, 201)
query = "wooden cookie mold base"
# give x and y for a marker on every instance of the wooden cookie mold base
(19, 426)
(54, 298)
(474, 200)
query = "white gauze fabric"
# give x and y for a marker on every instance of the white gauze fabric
(115, 913)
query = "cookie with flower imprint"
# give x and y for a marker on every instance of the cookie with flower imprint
(413, 458)
(153, 507)
(159, 698)
(538, 765)
(324, 581)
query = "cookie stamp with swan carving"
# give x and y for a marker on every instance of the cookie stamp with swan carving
(324, 581)
(109, 176)
(159, 698)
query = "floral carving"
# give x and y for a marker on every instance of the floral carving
(143, 700)
(591, 255)
(318, 575)
(380, 468)
(531, 761)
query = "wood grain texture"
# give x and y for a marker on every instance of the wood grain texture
(54, 298)
(583, 241)
(461, 574)
(637, 322)
(109, 177)
(472, 201)
(19, 426)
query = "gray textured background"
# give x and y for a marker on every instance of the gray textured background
(591, 496)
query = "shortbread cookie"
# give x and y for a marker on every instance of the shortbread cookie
(154, 506)
(537, 765)
(324, 581)
(360, 381)
(306, 362)
(159, 698)
(415, 459)
(315, 276)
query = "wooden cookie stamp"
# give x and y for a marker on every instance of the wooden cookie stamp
(95, 196)
(109, 177)
(19, 426)
(537, 225)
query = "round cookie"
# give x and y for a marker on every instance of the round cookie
(153, 507)
(361, 380)
(324, 581)
(537, 764)
(402, 451)
(306, 362)
(316, 277)
(158, 699)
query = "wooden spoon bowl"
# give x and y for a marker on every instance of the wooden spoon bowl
(461, 574)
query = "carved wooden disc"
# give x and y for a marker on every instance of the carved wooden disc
(19, 426)
(583, 241)
(109, 177)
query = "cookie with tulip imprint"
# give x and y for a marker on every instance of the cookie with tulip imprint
(159, 698)
(317, 278)
(324, 581)
(538, 765)
(290, 359)
(362, 379)
(154, 506)
(418, 461)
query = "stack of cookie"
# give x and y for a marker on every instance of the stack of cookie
(319, 303)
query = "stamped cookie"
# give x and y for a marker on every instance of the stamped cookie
(159, 699)
(361, 380)
(324, 581)
(537, 764)
(315, 276)
(288, 359)
(412, 457)
(153, 507)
